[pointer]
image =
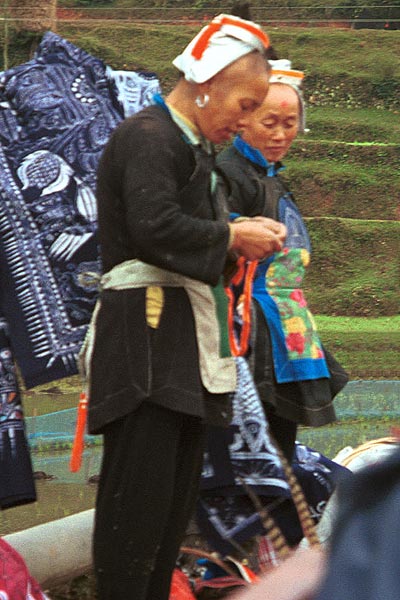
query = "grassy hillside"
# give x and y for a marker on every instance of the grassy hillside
(355, 267)
(369, 348)
(341, 65)
(343, 173)
(366, 125)
(328, 187)
(347, 164)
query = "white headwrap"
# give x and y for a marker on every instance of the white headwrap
(282, 72)
(225, 39)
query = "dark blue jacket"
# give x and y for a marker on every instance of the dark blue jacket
(365, 549)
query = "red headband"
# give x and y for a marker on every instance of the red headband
(215, 25)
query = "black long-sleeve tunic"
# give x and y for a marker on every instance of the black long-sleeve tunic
(154, 204)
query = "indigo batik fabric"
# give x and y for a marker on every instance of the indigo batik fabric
(16, 476)
(57, 111)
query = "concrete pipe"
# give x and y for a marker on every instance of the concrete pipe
(57, 551)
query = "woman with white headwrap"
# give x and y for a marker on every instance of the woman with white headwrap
(288, 362)
(158, 357)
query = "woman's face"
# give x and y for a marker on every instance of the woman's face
(234, 94)
(275, 124)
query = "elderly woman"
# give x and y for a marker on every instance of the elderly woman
(159, 361)
(288, 362)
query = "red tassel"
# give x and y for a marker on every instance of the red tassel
(79, 439)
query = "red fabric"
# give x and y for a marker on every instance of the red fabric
(180, 587)
(219, 583)
(16, 583)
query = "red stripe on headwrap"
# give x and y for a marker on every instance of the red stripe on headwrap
(215, 25)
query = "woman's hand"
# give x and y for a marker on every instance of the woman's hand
(297, 578)
(257, 238)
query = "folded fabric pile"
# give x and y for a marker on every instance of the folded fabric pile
(242, 461)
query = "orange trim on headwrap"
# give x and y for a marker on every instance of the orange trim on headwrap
(216, 24)
(298, 74)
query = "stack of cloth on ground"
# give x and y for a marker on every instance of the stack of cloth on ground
(57, 112)
(244, 458)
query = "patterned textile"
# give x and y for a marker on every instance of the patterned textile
(57, 111)
(56, 114)
(296, 346)
(134, 90)
(16, 478)
(245, 453)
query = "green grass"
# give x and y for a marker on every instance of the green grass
(341, 54)
(38, 403)
(331, 438)
(340, 325)
(340, 65)
(355, 269)
(352, 125)
(344, 73)
(367, 348)
(334, 187)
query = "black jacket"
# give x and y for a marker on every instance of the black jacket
(251, 193)
(154, 204)
(309, 402)
(154, 200)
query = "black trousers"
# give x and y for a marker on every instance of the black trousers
(147, 492)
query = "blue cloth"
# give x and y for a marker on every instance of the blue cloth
(57, 112)
(363, 547)
(254, 155)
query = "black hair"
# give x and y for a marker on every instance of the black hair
(242, 10)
